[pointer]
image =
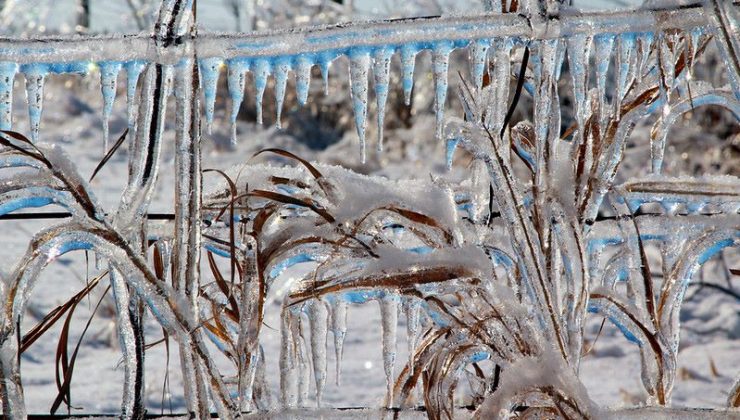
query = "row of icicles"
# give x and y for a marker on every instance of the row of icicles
(632, 56)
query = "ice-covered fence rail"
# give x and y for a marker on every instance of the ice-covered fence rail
(344, 36)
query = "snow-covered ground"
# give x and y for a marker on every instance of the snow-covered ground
(710, 345)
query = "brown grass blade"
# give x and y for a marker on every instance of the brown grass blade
(519, 84)
(109, 155)
(286, 199)
(68, 365)
(53, 316)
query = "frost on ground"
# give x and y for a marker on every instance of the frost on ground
(554, 245)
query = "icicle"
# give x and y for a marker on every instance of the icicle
(288, 377)
(477, 52)
(210, 68)
(108, 80)
(282, 67)
(450, 151)
(502, 74)
(381, 72)
(261, 71)
(579, 50)
(625, 70)
(236, 80)
(7, 77)
(35, 77)
(318, 320)
(303, 78)
(304, 372)
(339, 329)
(440, 67)
(667, 64)
(325, 61)
(644, 43)
(695, 40)
(359, 66)
(412, 308)
(603, 45)
(389, 318)
(133, 71)
(408, 62)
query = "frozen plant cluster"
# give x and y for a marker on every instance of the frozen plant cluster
(495, 275)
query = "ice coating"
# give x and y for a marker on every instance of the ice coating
(281, 69)
(8, 71)
(108, 81)
(210, 69)
(359, 66)
(440, 67)
(381, 73)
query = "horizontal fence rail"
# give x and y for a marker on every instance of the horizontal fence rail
(340, 37)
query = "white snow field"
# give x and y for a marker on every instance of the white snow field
(591, 254)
